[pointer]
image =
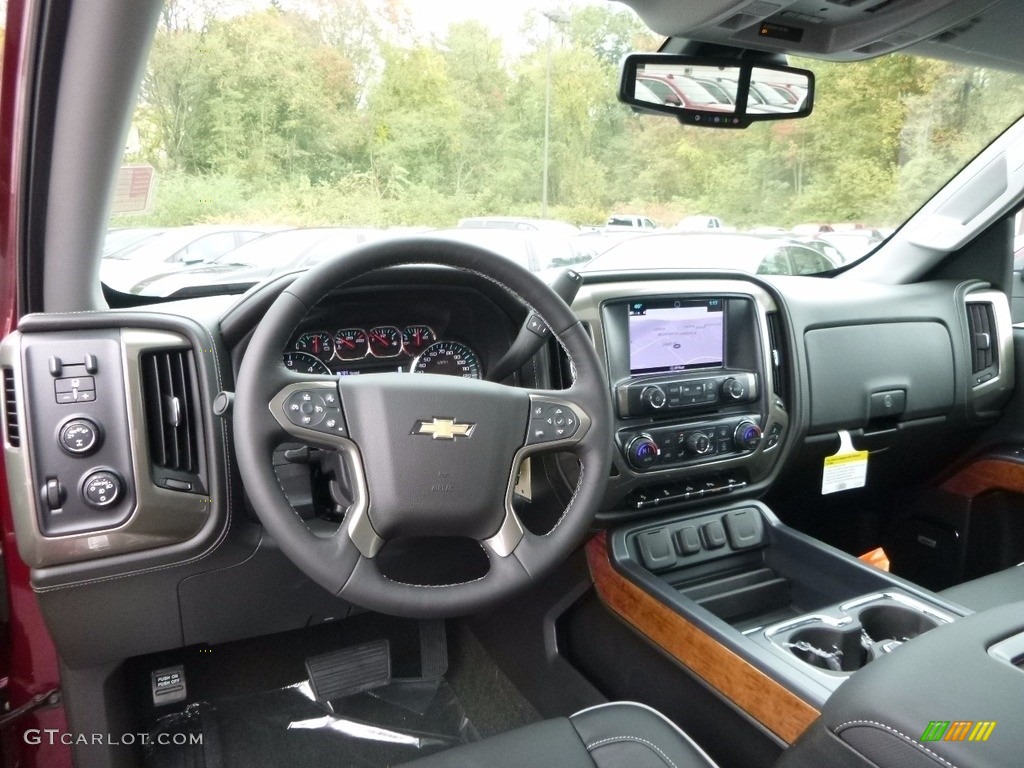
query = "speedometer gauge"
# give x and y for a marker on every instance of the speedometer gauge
(449, 358)
(303, 362)
(316, 343)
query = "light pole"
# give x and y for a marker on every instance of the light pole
(554, 16)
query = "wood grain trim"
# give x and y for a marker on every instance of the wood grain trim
(773, 705)
(987, 475)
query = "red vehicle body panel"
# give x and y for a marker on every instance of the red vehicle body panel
(29, 656)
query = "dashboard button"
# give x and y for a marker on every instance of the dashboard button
(79, 437)
(101, 489)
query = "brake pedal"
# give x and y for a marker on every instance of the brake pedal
(349, 671)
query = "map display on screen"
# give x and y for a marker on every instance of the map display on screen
(675, 335)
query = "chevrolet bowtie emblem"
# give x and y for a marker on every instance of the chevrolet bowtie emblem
(443, 429)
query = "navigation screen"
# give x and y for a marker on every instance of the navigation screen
(675, 335)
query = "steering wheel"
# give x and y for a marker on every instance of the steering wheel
(427, 455)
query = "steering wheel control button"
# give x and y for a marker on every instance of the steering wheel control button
(79, 437)
(75, 389)
(551, 422)
(306, 408)
(101, 489)
(538, 327)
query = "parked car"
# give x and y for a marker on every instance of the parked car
(683, 91)
(753, 254)
(629, 221)
(154, 254)
(520, 223)
(699, 224)
(270, 255)
(126, 237)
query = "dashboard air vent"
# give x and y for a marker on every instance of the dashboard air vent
(173, 421)
(11, 410)
(776, 351)
(981, 326)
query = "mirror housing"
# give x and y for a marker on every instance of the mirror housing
(715, 93)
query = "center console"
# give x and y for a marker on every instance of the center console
(698, 384)
(776, 611)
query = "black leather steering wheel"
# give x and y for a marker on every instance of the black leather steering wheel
(428, 455)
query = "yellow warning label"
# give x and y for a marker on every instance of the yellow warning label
(846, 458)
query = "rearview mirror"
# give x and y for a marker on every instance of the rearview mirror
(717, 93)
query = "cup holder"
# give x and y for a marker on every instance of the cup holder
(845, 638)
(832, 649)
(895, 622)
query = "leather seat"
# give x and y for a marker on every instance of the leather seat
(999, 588)
(617, 735)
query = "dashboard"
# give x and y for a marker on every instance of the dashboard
(440, 330)
(719, 385)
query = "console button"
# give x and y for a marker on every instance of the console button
(713, 534)
(656, 549)
(745, 528)
(688, 540)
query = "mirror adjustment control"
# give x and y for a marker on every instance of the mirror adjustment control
(101, 489)
(79, 437)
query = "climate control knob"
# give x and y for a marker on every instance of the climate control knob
(733, 389)
(642, 451)
(747, 436)
(699, 443)
(653, 397)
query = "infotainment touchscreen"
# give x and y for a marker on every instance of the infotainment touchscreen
(675, 334)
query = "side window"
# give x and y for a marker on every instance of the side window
(648, 224)
(775, 263)
(807, 262)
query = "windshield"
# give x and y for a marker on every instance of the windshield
(407, 116)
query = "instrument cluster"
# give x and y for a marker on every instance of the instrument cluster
(413, 348)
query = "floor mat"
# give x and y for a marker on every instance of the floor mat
(390, 725)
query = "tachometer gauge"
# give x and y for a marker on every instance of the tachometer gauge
(385, 341)
(351, 344)
(449, 358)
(416, 338)
(303, 362)
(317, 343)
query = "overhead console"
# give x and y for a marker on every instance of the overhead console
(695, 372)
